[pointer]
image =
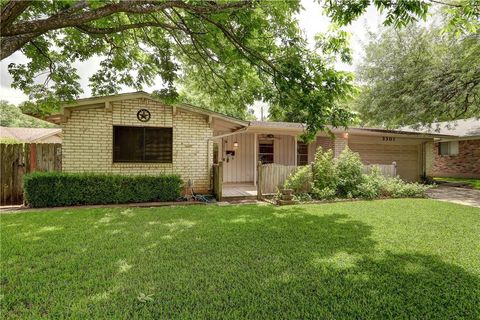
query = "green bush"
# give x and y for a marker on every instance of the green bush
(371, 184)
(324, 194)
(51, 189)
(300, 181)
(349, 172)
(375, 185)
(324, 172)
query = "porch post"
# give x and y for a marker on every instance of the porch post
(296, 150)
(255, 150)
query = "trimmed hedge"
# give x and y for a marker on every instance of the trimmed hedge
(53, 189)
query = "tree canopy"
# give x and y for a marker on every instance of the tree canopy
(420, 74)
(220, 54)
(12, 116)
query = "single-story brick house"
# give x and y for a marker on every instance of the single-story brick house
(457, 153)
(136, 134)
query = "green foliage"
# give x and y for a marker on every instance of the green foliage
(222, 55)
(302, 197)
(8, 140)
(51, 189)
(12, 116)
(328, 178)
(300, 181)
(326, 193)
(349, 172)
(419, 75)
(324, 171)
(398, 13)
(375, 185)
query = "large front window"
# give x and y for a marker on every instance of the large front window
(142, 144)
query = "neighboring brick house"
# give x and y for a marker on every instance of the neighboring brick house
(459, 155)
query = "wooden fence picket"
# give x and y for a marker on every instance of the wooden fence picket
(19, 159)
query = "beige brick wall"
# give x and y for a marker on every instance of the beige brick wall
(88, 134)
(429, 158)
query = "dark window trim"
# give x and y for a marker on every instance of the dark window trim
(268, 154)
(143, 147)
(299, 155)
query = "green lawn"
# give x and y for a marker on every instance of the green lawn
(474, 183)
(417, 259)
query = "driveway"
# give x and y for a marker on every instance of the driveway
(469, 197)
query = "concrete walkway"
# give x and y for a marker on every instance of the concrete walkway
(469, 197)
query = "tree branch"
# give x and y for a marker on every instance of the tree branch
(11, 11)
(66, 19)
(92, 30)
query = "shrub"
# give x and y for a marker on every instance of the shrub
(324, 194)
(302, 197)
(397, 188)
(300, 181)
(50, 189)
(375, 185)
(370, 186)
(324, 173)
(349, 171)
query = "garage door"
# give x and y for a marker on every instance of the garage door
(406, 157)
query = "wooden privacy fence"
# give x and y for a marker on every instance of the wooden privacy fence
(272, 175)
(18, 159)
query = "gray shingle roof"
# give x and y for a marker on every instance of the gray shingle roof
(27, 134)
(462, 128)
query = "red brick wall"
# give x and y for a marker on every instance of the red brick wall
(465, 165)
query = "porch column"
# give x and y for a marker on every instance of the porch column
(255, 150)
(296, 150)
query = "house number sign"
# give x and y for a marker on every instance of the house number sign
(388, 138)
(143, 115)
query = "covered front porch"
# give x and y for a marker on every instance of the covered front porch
(239, 190)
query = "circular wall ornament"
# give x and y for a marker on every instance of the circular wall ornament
(143, 115)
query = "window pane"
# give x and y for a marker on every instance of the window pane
(302, 153)
(127, 144)
(158, 144)
(266, 158)
(142, 144)
(453, 148)
(265, 151)
(443, 148)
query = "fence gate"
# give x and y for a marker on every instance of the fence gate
(271, 176)
(18, 159)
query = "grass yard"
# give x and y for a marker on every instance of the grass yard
(474, 183)
(417, 259)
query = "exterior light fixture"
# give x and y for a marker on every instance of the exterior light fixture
(235, 144)
(345, 135)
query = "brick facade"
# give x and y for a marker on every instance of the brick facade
(465, 165)
(88, 141)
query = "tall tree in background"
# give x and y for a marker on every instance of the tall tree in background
(419, 74)
(227, 53)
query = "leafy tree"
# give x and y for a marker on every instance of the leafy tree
(420, 74)
(227, 53)
(12, 116)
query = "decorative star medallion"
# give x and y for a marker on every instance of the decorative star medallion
(143, 115)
